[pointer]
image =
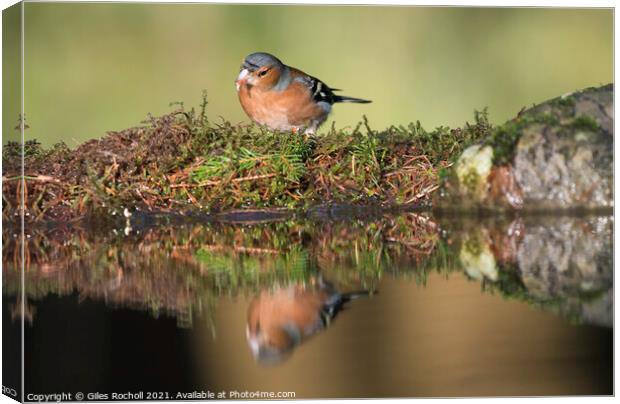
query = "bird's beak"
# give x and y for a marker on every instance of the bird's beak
(243, 74)
(241, 78)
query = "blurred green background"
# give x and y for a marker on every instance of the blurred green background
(91, 68)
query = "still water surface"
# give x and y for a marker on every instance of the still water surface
(448, 306)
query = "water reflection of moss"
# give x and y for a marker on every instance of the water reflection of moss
(182, 270)
(176, 270)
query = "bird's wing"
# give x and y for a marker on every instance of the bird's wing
(319, 91)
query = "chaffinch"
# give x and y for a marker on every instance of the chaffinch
(282, 97)
(280, 319)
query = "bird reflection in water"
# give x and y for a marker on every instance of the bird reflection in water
(280, 319)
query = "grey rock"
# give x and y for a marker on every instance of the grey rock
(556, 155)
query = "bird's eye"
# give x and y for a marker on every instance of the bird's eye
(262, 73)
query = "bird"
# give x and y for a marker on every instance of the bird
(282, 97)
(280, 319)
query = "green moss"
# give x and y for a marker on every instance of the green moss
(32, 148)
(443, 173)
(568, 101)
(504, 138)
(184, 160)
(11, 150)
(584, 122)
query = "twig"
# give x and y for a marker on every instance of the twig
(211, 183)
(42, 178)
(423, 193)
(242, 249)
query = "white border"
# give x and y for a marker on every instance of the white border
(457, 3)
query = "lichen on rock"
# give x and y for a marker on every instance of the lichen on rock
(473, 169)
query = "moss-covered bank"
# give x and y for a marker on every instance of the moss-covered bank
(185, 162)
(556, 155)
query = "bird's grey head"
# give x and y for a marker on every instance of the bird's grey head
(255, 61)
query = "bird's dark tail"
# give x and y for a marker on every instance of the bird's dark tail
(341, 98)
(342, 297)
(336, 303)
(347, 297)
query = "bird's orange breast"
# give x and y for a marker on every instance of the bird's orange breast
(294, 305)
(282, 110)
